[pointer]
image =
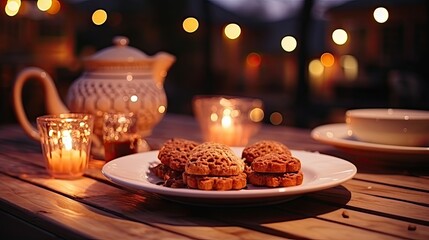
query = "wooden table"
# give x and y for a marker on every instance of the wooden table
(380, 202)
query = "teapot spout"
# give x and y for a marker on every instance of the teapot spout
(163, 62)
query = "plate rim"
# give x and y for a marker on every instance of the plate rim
(348, 169)
(319, 134)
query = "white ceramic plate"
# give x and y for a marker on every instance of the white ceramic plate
(320, 172)
(339, 136)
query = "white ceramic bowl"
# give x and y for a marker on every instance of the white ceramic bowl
(402, 127)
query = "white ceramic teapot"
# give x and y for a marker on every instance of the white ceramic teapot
(117, 79)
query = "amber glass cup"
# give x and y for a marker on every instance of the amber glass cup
(120, 135)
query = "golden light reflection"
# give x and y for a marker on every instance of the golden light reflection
(232, 31)
(256, 115)
(44, 5)
(99, 17)
(276, 118)
(214, 117)
(381, 15)
(55, 8)
(134, 98)
(226, 121)
(12, 7)
(190, 24)
(315, 67)
(288, 43)
(327, 59)
(161, 109)
(339, 36)
(350, 66)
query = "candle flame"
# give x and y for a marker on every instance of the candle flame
(67, 140)
(226, 121)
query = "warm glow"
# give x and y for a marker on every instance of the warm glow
(226, 121)
(134, 98)
(381, 15)
(161, 109)
(253, 60)
(55, 8)
(288, 43)
(327, 59)
(213, 117)
(44, 5)
(276, 118)
(67, 140)
(315, 68)
(339, 36)
(256, 115)
(190, 24)
(232, 31)
(12, 7)
(350, 66)
(99, 17)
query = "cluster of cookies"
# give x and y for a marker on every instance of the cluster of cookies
(214, 166)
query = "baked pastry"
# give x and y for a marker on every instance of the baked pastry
(276, 179)
(214, 159)
(276, 170)
(276, 163)
(214, 166)
(174, 153)
(164, 172)
(260, 148)
(222, 183)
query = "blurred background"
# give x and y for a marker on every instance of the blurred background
(308, 60)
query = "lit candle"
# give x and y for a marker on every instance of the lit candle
(227, 132)
(66, 161)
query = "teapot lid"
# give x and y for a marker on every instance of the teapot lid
(119, 56)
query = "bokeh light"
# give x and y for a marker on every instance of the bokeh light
(190, 25)
(381, 15)
(253, 59)
(327, 59)
(55, 8)
(276, 118)
(256, 115)
(161, 109)
(350, 66)
(134, 98)
(99, 17)
(44, 5)
(315, 67)
(232, 31)
(339, 36)
(288, 43)
(12, 7)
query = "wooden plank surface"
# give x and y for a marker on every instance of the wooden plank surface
(379, 203)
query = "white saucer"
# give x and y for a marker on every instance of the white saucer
(339, 136)
(320, 172)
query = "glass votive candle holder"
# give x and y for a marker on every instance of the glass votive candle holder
(120, 135)
(66, 143)
(228, 119)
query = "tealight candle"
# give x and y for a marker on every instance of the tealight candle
(228, 120)
(66, 141)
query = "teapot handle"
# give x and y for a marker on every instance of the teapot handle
(53, 102)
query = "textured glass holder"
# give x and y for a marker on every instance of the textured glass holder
(227, 119)
(66, 143)
(120, 135)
